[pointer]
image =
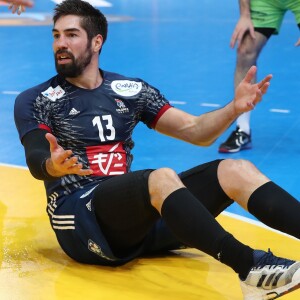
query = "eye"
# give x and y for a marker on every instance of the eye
(72, 35)
(55, 36)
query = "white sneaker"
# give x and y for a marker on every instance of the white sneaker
(271, 277)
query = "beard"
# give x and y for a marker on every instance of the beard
(77, 66)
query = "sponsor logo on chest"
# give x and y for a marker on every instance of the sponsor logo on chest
(126, 87)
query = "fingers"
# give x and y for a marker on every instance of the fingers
(62, 160)
(252, 32)
(250, 75)
(265, 87)
(237, 38)
(64, 156)
(233, 40)
(258, 97)
(55, 147)
(71, 166)
(52, 141)
(256, 91)
(15, 7)
(259, 93)
(265, 83)
(78, 170)
(20, 9)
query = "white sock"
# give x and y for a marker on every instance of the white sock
(243, 122)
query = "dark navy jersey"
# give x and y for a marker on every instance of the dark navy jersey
(95, 124)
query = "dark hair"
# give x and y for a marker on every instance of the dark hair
(92, 20)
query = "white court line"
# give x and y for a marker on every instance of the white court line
(277, 110)
(10, 92)
(210, 104)
(178, 102)
(201, 104)
(225, 213)
(13, 166)
(205, 104)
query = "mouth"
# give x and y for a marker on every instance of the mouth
(63, 58)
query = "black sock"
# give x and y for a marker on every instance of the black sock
(194, 226)
(276, 208)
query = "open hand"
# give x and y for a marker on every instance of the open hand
(248, 94)
(62, 162)
(243, 27)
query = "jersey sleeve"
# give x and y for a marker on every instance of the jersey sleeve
(31, 113)
(155, 105)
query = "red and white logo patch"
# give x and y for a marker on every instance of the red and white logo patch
(107, 160)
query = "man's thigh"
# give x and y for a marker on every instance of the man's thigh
(123, 209)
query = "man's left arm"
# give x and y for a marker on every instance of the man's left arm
(203, 130)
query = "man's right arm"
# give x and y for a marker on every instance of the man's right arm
(37, 152)
(47, 160)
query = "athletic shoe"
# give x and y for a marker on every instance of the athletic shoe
(271, 277)
(238, 140)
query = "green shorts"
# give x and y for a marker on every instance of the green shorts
(270, 13)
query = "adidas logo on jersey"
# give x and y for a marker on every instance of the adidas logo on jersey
(74, 112)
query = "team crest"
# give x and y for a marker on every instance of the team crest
(122, 107)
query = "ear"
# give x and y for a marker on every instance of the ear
(97, 43)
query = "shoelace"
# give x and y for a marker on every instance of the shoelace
(270, 259)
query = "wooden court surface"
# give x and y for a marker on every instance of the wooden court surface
(33, 267)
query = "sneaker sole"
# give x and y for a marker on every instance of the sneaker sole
(245, 147)
(261, 294)
(223, 150)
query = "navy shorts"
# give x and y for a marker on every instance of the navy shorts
(78, 232)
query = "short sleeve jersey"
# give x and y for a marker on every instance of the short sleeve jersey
(96, 124)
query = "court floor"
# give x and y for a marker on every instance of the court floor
(181, 47)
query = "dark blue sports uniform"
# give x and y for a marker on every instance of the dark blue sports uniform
(97, 125)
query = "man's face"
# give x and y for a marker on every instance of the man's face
(72, 49)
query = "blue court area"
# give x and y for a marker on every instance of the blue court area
(182, 48)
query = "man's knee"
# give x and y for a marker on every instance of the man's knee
(162, 182)
(239, 178)
(247, 54)
(249, 49)
(235, 168)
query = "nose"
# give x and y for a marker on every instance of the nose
(60, 43)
